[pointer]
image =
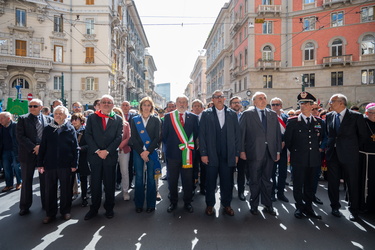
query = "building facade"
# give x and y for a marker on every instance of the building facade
(198, 79)
(85, 48)
(164, 89)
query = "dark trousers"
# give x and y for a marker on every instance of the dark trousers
(103, 171)
(174, 169)
(303, 190)
(282, 165)
(226, 183)
(260, 180)
(84, 185)
(350, 172)
(53, 177)
(27, 173)
(241, 166)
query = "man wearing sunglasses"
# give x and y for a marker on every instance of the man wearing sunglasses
(29, 135)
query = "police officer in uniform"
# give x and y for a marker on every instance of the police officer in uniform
(303, 136)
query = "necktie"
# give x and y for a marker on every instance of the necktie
(264, 120)
(337, 122)
(181, 119)
(39, 129)
(127, 117)
(308, 121)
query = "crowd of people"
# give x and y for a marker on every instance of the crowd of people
(105, 149)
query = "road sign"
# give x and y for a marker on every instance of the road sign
(29, 96)
(245, 103)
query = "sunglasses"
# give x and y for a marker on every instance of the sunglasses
(275, 104)
(217, 96)
(291, 114)
(106, 103)
(34, 106)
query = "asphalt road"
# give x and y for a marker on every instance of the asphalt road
(181, 230)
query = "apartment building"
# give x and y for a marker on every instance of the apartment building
(87, 48)
(198, 79)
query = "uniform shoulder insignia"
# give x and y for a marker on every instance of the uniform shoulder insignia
(294, 117)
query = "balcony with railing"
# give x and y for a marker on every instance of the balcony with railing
(329, 3)
(23, 61)
(269, 9)
(269, 64)
(335, 60)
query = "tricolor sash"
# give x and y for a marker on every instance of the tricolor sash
(187, 144)
(282, 124)
(146, 141)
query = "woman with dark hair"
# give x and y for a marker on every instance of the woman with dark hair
(144, 140)
(57, 160)
(78, 121)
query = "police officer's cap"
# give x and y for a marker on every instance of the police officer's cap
(304, 97)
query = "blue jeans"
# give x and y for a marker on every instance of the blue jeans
(139, 195)
(11, 167)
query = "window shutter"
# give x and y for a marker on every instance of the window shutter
(96, 83)
(83, 83)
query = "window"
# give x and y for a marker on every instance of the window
(367, 76)
(309, 51)
(89, 2)
(20, 48)
(267, 81)
(57, 82)
(368, 45)
(266, 2)
(90, 83)
(267, 53)
(267, 27)
(22, 82)
(367, 14)
(337, 47)
(58, 23)
(337, 19)
(309, 23)
(239, 85)
(309, 80)
(89, 55)
(89, 26)
(240, 61)
(309, 1)
(235, 87)
(245, 83)
(58, 1)
(58, 53)
(245, 57)
(20, 17)
(337, 78)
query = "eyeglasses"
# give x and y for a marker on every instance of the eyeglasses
(77, 107)
(236, 102)
(275, 104)
(34, 106)
(291, 114)
(106, 103)
(371, 113)
(217, 96)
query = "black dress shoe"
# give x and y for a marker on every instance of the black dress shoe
(91, 214)
(209, 210)
(336, 213)
(270, 210)
(254, 211)
(24, 212)
(48, 219)
(189, 207)
(150, 210)
(171, 207)
(242, 197)
(109, 214)
(282, 197)
(311, 213)
(66, 216)
(139, 210)
(353, 217)
(298, 214)
(317, 200)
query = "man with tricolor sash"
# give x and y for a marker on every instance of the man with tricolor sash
(180, 132)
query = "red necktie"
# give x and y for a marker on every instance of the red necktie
(126, 117)
(181, 119)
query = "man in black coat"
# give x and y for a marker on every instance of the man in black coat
(303, 136)
(103, 136)
(29, 135)
(346, 131)
(219, 146)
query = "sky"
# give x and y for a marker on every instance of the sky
(176, 31)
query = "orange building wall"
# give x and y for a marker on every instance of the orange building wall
(274, 39)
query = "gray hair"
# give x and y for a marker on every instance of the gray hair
(7, 114)
(108, 97)
(197, 101)
(64, 109)
(182, 96)
(217, 91)
(276, 99)
(258, 93)
(341, 97)
(40, 102)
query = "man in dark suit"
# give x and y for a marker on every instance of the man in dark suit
(346, 133)
(103, 136)
(180, 132)
(219, 146)
(282, 164)
(261, 141)
(29, 135)
(303, 137)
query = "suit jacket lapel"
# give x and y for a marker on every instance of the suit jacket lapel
(257, 118)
